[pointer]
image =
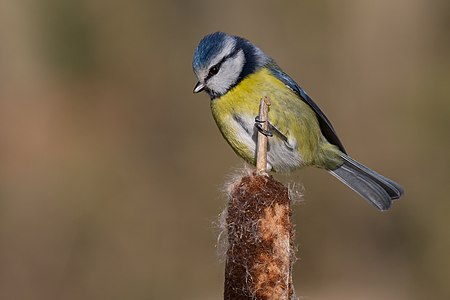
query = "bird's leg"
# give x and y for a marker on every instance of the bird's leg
(278, 133)
(274, 131)
(258, 126)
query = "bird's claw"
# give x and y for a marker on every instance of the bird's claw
(258, 125)
(258, 120)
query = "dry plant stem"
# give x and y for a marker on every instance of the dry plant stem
(260, 251)
(261, 154)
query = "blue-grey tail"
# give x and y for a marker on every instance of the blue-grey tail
(373, 187)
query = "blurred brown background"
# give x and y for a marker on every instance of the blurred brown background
(111, 170)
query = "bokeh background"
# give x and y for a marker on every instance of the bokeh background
(112, 171)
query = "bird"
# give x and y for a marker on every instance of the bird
(236, 74)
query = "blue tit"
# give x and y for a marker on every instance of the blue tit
(236, 75)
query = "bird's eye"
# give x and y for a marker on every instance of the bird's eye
(213, 71)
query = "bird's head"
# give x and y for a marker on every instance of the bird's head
(222, 60)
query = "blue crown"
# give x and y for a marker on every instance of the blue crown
(207, 49)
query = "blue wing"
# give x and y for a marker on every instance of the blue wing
(325, 125)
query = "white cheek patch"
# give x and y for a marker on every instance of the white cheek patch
(228, 74)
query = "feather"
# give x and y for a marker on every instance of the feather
(373, 187)
(325, 125)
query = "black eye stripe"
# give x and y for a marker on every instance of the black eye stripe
(217, 66)
(214, 69)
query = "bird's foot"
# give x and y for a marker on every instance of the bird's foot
(258, 125)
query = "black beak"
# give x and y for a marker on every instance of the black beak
(199, 87)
